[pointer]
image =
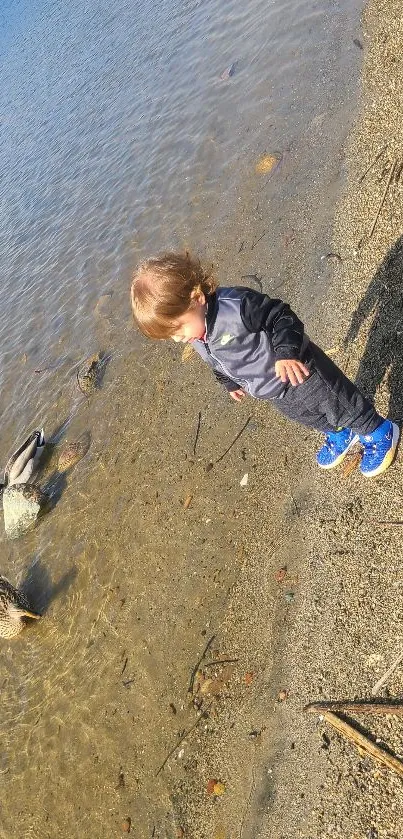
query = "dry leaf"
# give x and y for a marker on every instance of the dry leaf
(187, 502)
(281, 574)
(126, 825)
(212, 687)
(282, 695)
(351, 463)
(210, 786)
(248, 678)
(187, 352)
(219, 788)
(267, 163)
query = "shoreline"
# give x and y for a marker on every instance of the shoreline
(341, 632)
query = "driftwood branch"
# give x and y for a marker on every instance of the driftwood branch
(355, 707)
(364, 743)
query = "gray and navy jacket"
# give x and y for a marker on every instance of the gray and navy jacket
(246, 333)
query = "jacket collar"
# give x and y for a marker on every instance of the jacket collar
(211, 314)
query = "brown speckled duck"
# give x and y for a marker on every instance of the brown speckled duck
(14, 607)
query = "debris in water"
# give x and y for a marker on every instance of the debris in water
(331, 255)
(228, 72)
(268, 163)
(357, 43)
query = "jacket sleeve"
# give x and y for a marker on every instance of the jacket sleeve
(224, 380)
(261, 314)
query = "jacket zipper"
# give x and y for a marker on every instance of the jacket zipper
(220, 364)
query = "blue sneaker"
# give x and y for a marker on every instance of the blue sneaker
(335, 448)
(379, 449)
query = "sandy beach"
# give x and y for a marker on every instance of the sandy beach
(331, 624)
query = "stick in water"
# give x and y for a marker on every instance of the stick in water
(181, 739)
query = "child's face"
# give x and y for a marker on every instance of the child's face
(192, 325)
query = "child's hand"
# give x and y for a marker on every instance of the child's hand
(291, 370)
(238, 395)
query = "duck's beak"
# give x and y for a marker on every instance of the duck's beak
(33, 615)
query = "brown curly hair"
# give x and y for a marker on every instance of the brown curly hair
(164, 288)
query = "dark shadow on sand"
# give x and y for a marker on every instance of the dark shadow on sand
(383, 354)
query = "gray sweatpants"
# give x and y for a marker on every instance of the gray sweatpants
(327, 400)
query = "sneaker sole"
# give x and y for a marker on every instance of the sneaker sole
(388, 459)
(341, 456)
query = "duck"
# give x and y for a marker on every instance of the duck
(14, 607)
(22, 463)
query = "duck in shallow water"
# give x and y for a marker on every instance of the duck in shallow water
(23, 462)
(14, 607)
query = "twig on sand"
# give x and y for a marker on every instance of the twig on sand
(380, 683)
(181, 739)
(220, 661)
(196, 667)
(256, 242)
(368, 169)
(399, 170)
(197, 433)
(363, 743)
(389, 181)
(355, 707)
(387, 522)
(233, 442)
(124, 665)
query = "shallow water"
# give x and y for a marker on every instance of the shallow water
(118, 137)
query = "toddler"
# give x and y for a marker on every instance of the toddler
(257, 346)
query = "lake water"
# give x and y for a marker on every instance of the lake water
(119, 138)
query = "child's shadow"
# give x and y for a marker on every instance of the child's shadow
(383, 354)
(39, 589)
